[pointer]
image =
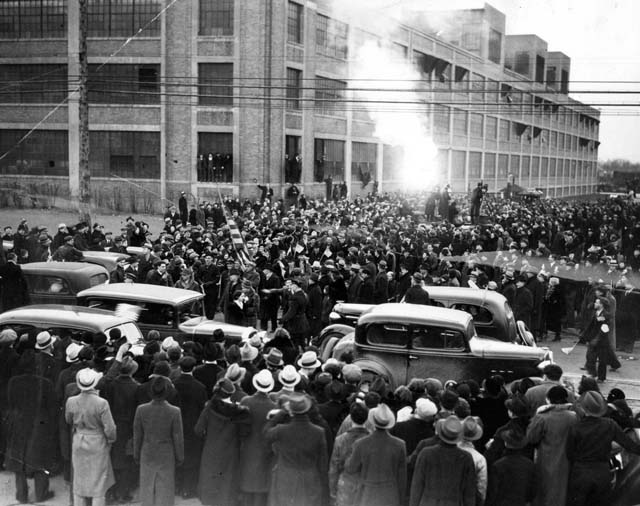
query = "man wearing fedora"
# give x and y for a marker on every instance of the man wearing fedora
(471, 432)
(378, 463)
(193, 396)
(47, 365)
(444, 474)
(255, 454)
(295, 318)
(589, 449)
(158, 445)
(300, 471)
(94, 431)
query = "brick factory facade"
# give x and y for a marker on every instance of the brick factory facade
(230, 94)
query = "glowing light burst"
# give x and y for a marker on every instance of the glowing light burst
(384, 82)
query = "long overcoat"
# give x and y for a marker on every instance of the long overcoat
(222, 425)
(548, 433)
(295, 319)
(121, 395)
(193, 396)
(256, 457)
(158, 446)
(94, 431)
(299, 476)
(444, 475)
(31, 424)
(379, 465)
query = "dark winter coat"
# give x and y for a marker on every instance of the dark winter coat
(221, 425)
(32, 416)
(512, 481)
(159, 447)
(295, 319)
(299, 476)
(256, 456)
(208, 374)
(13, 287)
(120, 393)
(378, 465)
(193, 396)
(523, 305)
(444, 475)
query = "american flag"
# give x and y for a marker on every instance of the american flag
(242, 254)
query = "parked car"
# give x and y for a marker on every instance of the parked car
(60, 282)
(402, 341)
(107, 259)
(491, 313)
(75, 320)
(171, 311)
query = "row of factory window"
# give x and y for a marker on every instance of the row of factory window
(133, 154)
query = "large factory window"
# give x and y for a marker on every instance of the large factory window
(117, 83)
(216, 17)
(215, 84)
(295, 23)
(364, 158)
(33, 84)
(294, 88)
(330, 95)
(328, 160)
(124, 18)
(331, 37)
(215, 157)
(458, 164)
(33, 19)
(44, 152)
(125, 154)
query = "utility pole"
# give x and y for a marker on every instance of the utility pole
(84, 201)
(78, 108)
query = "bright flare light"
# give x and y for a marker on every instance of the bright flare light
(385, 82)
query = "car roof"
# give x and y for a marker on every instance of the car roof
(463, 294)
(54, 315)
(44, 267)
(415, 313)
(142, 292)
(109, 255)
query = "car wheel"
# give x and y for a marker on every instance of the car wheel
(326, 349)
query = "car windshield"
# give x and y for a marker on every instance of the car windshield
(190, 310)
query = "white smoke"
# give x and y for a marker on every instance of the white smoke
(385, 82)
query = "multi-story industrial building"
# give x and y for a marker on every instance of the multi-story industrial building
(202, 95)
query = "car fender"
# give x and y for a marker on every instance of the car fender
(371, 366)
(337, 329)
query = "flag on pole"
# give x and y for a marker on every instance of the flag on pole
(238, 243)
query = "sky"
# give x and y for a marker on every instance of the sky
(601, 38)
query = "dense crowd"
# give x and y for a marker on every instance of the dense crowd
(266, 422)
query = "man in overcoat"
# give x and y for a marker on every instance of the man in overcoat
(13, 287)
(295, 319)
(378, 463)
(158, 446)
(193, 396)
(444, 474)
(299, 475)
(31, 429)
(120, 392)
(255, 455)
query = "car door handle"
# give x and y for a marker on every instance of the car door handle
(413, 357)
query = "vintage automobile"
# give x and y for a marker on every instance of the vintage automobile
(74, 320)
(107, 259)
(491, 313)
(402, 341)
(60, 282)
(171, 311)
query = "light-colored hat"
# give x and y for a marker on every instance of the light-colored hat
(168, 343)
(263, 381)
(382, 417)
(8, 336)
(44, 340)
(471, 428)
(425, 408)
(274, 358)
(248, 353)
(352, 373)
(256, 340)
(235, 373)
(87, 378)
(309, 360)
(72, 352)
(289, 377)
(298, 403)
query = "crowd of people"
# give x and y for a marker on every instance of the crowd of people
(247, 425)
(266, 421)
